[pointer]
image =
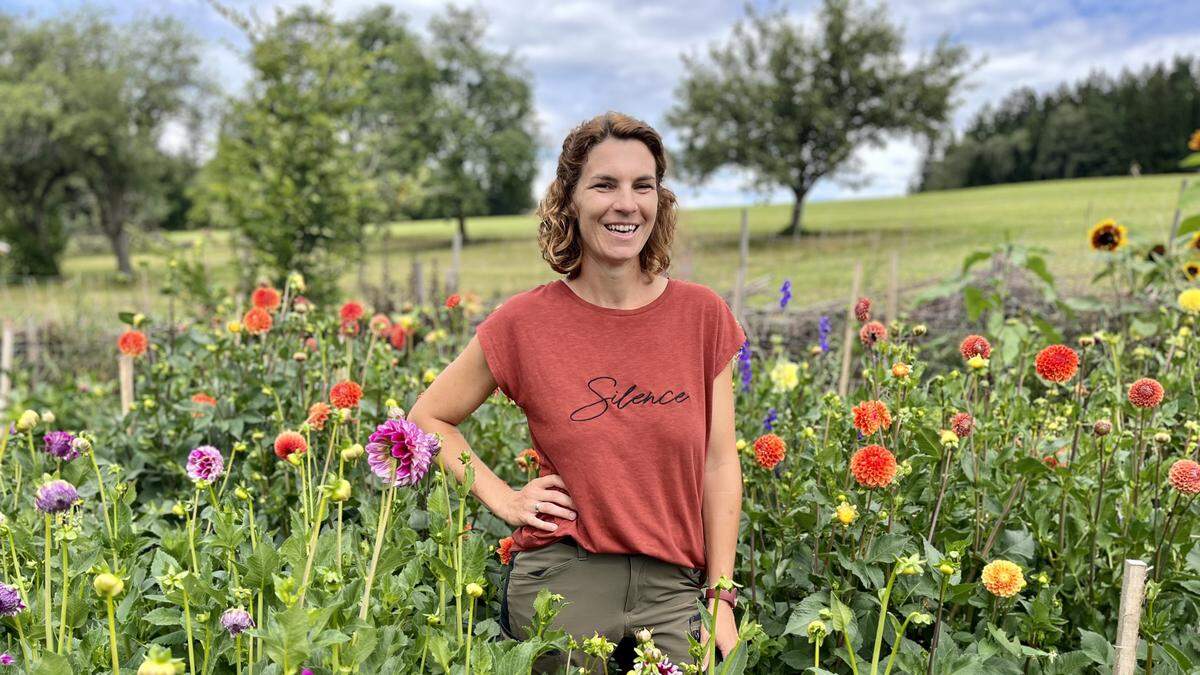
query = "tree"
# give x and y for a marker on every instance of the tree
(286, 174)
(486, 156)
(790, 107)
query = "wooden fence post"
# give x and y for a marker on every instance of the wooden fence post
(6, 358)
(125, 375)
(848, 335)
(739, 290)
(1133, 588)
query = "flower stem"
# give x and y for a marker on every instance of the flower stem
(187, 619)
(112, 637)
(62, 616)
(887, 594)
(312, 548)
(470, 623)
(380, 529)
(46, 585)
(112, 535)
(191, 528)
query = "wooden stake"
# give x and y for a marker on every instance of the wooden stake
(739, 290)
(6, 359)
(125, 375)
(1133, 588)
(848, 335)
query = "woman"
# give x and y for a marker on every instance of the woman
(624, 376)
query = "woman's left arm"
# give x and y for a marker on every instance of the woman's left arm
(722, 495)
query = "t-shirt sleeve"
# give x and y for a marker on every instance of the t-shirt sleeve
(730, 338)
(500, 345)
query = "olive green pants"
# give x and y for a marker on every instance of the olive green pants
(614, 595)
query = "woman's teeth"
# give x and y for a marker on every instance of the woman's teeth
(623, 229)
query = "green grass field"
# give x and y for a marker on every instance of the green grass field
(931, 231)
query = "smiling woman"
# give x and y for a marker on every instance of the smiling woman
(624, 376)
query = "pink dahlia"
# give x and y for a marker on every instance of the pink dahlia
(400, 453)
(205, 463)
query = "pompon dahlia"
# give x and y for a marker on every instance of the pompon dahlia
(205, 463)
(60, 444)
(975, 345)
(380, 325)
(529, 457)
(133, 343)
(962, 424)
(345, 394)
(397, 336)
(769, 450)
(257, 321)
(453, 301)
(288, 442)
(318, 415)
(873, 466)
(871, 416)
(56, 496)
(1185, 476)
(504, 550)
(1107, 235)
(235, 620)
(1003, 578)
(1189, 299)
(862, 310)
(399, 452)
(10, 601)
(1146, 393)
(265, 297)
(1057, 363)
(351, 311)
(872, 333)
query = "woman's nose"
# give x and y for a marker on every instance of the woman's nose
(625, 203)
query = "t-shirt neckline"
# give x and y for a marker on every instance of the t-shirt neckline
(615, 311)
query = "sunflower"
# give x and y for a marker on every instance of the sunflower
(1107, 235)
(1191, 269)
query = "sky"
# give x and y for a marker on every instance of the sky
(588, 57)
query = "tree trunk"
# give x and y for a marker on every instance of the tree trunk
(796, 227)
(462, 226)
(112, 221)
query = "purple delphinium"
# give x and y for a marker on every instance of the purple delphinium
(744, 364)
(60, 444)
(6, 659)
(769, 422)
(10, 601)
(56, 496)
(399, 452)
(235, 620)
(205, 463)
(785, 293)
(824, 328)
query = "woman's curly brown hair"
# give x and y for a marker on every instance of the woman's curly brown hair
(558, 229)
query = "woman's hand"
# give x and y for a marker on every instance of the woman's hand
(727, 634)
(524, 506)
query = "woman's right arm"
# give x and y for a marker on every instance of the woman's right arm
(456, 393)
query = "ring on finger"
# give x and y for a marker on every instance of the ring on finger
(537, 507)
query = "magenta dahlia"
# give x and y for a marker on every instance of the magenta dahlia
(399, 452)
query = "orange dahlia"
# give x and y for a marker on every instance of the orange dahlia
(351, 311)
(504, 550)
(265, 297)
(203, 398)
(257, 321)
(1146, 393)
(975, 345)
(318, 415)
(397, 336)
(345, 394)
(873, 466)
(871, 416)
(862, 310)
(380, 325)
(872, 333)
(1185, 476)
(1003, 578)
(769, 450)
(529, 457)
(453, 300)
(962, 424)
(288, 442)
(1057, 363)
(133, 343)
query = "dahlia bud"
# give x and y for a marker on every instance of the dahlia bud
(1162, 438)
(816, 350)
(159, 662)
(817, 630)
(883, 515)
(352, 452)
(919, 329)
(178, 510)
(108, 585)
(1086, 341)
(81, 445)
(234, 327)
(977, 362)
(642, 636)
(651, 655)
(901, 371)
(295, 458)
(47, 417)
(138, 319)
(433, 620)
(241, 493)
(340, 491)
(390, 403)
(395, 412)
(946, 568)
(27, 421)
(299, 357)
(1102, 428)
(474, 590)
(948, 438)
(741, 444)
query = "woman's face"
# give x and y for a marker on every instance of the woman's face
(616, 200)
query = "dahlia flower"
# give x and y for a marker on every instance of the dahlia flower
(872, 333)
(1146, 393)
(975, 345)
(345, 394)
(1057, 363)
(769, 450)
(235, 620)
(318, 415)
(133, 343)
(873, 466)
(963, 424)
(288, 442)
(265, 297)
(1003, 578)
(60, 444)
(1189, 300)
(871, 416)
(205, 463)
(10, 601)
(56, 496)
(504, 550)
(1185, 476)
(351, 311)
(257, 321)
(862, 310)
(399, 452)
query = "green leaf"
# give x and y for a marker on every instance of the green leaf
(52, 664)
(806, 612)
(974, 258)
(1191, 161)
(974, 301)
(1012, 646)
(164, 616)
(1037, 265)
(1097, 648)
(1180, 659)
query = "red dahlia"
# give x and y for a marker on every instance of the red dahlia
(351, 311)
(962, 424)
(452, 301)
(975, 345)
(1057, 363)
(396, 336)
(873, 466)
(257, 321)
(505, 550)
(871, 416)
(862, 309)
(1146, 393)
(288, 442)
(872, 333)
(133, 343)
(265, 297)
(345, 394)
(318, 415)
(769, 450)
(1185, 476)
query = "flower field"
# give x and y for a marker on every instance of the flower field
(263, 506)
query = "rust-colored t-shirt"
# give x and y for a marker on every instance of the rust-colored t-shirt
(619, 403)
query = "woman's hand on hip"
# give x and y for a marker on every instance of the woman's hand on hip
(524, 506)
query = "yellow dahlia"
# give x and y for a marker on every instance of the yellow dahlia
(1189, 300)
(1003, 578)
